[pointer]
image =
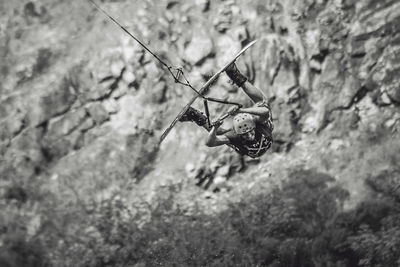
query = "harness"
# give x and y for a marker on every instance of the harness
(264, 145)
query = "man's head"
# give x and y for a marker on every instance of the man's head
(244, 125)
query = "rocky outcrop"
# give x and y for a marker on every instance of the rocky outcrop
(91, 98)
(199, 48)
(213, 173)
(82, 106)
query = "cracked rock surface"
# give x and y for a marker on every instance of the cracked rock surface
(82, 103)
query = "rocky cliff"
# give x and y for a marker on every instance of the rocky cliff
(83, 105)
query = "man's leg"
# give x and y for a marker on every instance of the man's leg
(240, 80)
(253, 92)
(200, 119)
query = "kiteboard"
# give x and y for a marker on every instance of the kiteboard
(203, 89)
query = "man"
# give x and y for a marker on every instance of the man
(252, 127)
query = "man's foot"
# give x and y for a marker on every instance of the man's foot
(235, 75)
(194, 115)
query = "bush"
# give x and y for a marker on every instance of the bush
(300, 223)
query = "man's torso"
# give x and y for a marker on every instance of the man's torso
(263, 135)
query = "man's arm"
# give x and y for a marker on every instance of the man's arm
(221, 131)
(260, 111)
(255, 110)
(214, 140)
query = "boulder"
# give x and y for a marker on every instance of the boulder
(159, 92)
(31, 63)
(12, 125)
(99, 91)
(129, 76)
(223, 171)
(392, 85)
(111, 105)
(393, 123)
(224, 17)
(356, 47)
(315, 65)
(117, 67)
(108, 64)
(199, 48)
(190, 169)
(284, 129)
(152, 72)
(373, 17)
(58, 148)
(311, 42)
(145, 148)
(203, 4)
(36, 12)
(24, 154)
(121, 90)
(351, 87)
(87, 87)
(330, 73)
(51, 103)
(207, 68)
(132, 52)
(97, 111)
(285, 80)
(240, 33)
(65, 124)
(227, 47)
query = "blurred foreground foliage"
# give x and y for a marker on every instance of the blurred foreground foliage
(301, 223)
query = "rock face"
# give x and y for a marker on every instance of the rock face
(199, 48)
(80, 98)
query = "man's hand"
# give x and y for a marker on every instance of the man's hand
(217, 123)
(233, 110)
(212, 139)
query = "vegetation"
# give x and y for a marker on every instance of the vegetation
(301, 223)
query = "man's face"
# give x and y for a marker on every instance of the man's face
(249, 136)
